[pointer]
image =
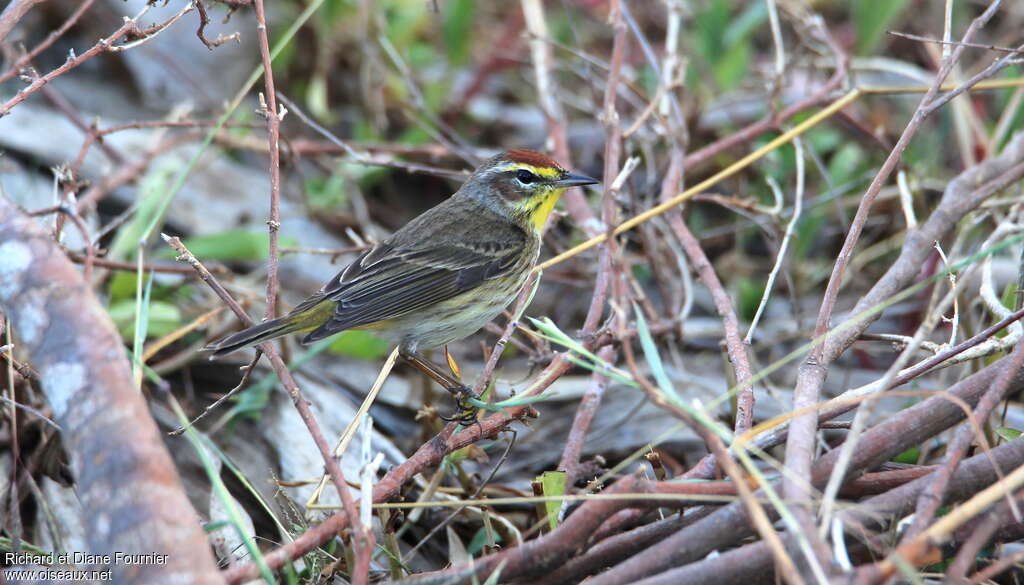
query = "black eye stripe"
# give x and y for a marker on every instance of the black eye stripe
(526, 177)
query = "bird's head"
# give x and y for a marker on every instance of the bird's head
(522, 183)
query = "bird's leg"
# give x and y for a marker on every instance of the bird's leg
(462, 393)
(435, 373)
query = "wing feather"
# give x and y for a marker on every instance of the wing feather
(394, 279)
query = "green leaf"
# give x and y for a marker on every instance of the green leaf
(143, 300)
(359, 344)
(846, 163)
(749, 293)
(748, 22)
(1008, 434)
(154, 184)
(163, 318)
(807, 230)
(457, 29)
(723, 40)
(513, 401)
(404, 20)
(710, 24)
(553, 484)
(476, 546)
(327, 193)
(871, 19)
(651, 352)
(212, 527)
(230, 246)
(122, 286)
(1017, 119)
(1009, 296)
(731, 68)
(317, 100)
(909, 456)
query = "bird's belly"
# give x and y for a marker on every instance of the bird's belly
(459, 317)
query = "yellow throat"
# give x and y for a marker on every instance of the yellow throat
(541, 206)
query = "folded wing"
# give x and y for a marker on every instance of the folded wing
(388, 282)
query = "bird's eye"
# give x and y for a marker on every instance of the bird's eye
(525, 177)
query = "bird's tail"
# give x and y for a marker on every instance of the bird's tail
(257, 334)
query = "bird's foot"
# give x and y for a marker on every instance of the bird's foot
(466, 412)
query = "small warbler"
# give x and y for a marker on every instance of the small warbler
(443, 275)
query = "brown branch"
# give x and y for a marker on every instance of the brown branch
(532, 558)
(50, 39)
(985, 575)
(585, 412)
(129, 172)
(129, 30)
(273, 139)
(723, 303)
(751, 507)
(73, 116)
(389, 487)
(800, 445)
(752, 564)
(204, 20)
(996, 518)
(843, 404)
(591, 400)
(302, 147)
(13, 13)
(726, 526)
(160, 268)
(931, 498)
(174, 124)
(616, 548)
(757, 562)
(921, 39)
(86, 377)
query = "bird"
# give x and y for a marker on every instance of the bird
(440, 277)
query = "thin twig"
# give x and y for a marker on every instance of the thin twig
(932, 497)
(361, 157)
(798, 204)
(13, 13)
(947, 44)
(130, 28)
(800, 445)
(246, 373)
(273, 140)
(49, 40)
(613, 179)
(283, 374)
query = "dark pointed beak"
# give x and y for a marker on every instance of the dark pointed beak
(574, 180)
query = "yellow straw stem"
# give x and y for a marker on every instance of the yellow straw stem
(725, 173)
(746, 161)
